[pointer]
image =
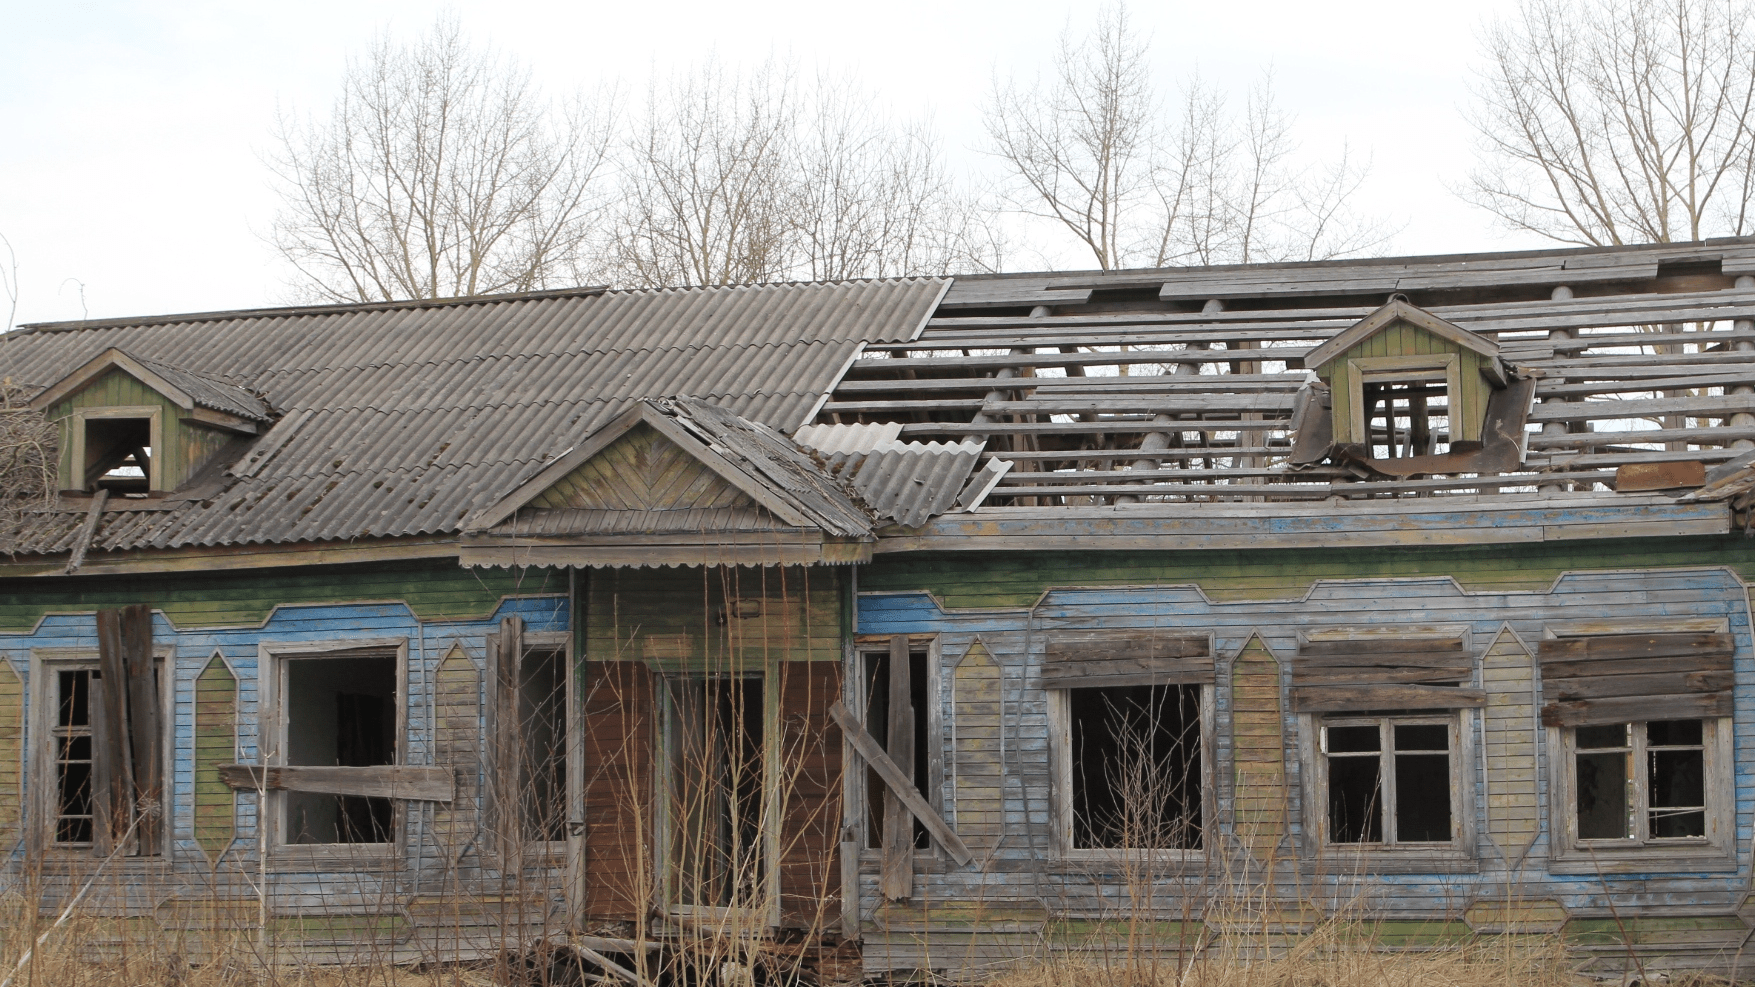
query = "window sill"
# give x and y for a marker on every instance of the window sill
(1700, 858)
(338, 856)
(1345, 859)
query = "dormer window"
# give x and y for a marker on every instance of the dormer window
(114, 450)
(1403, 404)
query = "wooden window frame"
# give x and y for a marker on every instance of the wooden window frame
(1455, 856)
(1402, 370)
(1716, 852)
(155, 417)
(1061, 778)
(664, 753)
(271, 666)
(550, 853)
(856, 795)
(44, 664)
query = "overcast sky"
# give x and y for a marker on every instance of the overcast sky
(131, 174)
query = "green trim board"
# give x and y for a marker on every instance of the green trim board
(434, 590)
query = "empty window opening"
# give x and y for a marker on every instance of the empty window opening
(1407, 418)
(75, 821)
(716, 791)
(118, 454)
(340, 711)
(877, 723)
(542, 694)
(1641, 781)
(1136, 767)
(1389, 781)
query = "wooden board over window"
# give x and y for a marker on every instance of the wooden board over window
(1383, 673)
(1096, 658)
(1619, 678)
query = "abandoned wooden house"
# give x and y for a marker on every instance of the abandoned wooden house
(950, 622)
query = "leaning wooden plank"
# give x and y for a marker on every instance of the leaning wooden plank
(402, 781)
(897, 782)
(1602, 646)
(1657, 684)
(1629, 709)
(1340, 699)
(897, 881)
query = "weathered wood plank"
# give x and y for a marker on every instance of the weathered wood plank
(1342, 698)
(1082, 673)
(898, 782)
(1662, 683)
(401, 781)
(898, 871)
(1615, 646)
(1584, 712)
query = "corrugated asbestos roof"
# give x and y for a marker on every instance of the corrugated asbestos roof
(906, 482)
(405, 419)
(210, 392)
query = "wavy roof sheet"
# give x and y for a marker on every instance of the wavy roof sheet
(403, 419)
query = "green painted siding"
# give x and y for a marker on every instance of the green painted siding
(1468, 409)
(216, 732)
(1017, 579)
(435, 590)
(678, 617)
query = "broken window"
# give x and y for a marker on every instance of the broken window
(74, 822)
(118, 455)
(1389, 779)
(1640, 781)
(1136, 767)
(878, 717)
(716, 730)
(1407, 418)
(542, 721)
(341, 711)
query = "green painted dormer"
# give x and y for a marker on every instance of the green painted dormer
(135, 426)
(1404, 383)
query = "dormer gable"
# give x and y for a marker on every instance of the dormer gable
(137, 426)
(1405, 384)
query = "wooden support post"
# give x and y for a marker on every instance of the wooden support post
(898, 876)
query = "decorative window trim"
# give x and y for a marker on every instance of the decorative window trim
(272, 658)
(1401, 370)
(1420, 858)
(76, 425)
(1061, 778)
(40, 791)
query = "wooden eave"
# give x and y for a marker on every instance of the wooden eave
(1397, 523)
(743, 548)
(1395, 311)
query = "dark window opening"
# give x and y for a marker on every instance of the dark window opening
(1405, 419)
(717, 772)
(1641, 781)
(75, 819)
(542, 718)
(1136, 767)
(340, 711)
(118, 454)
(877, 723)
(1389, 781)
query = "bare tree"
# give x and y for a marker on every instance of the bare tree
(441, 171)
(28, 455)
(1618, 121)
(1096, 152)
(736, 178)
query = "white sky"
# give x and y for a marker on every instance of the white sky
(131, 134)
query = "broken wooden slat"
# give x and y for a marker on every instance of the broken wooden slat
(419, 783)
(1615, 646)
(897, 882)
(1079, 674)
(868, 748)
(1352, 698)
(1630, 709)
(1660, 476)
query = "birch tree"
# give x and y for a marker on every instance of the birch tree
(440, 171)
(1618, 121)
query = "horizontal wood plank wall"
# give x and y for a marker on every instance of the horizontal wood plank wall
(216, 740)
(619, 723)
(671, 618)
(1513, 809)
(457, 741)
(1011, 612)
(1262, 806)
(977, 771)
(810, 791)
(444, 614)
(432, 590)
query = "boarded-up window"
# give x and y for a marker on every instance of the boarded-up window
(106, 729)
(339, 710)
(1383, 673)
(1615, 678)
(884, 710)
